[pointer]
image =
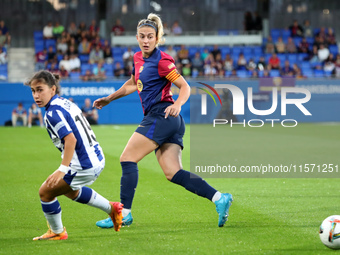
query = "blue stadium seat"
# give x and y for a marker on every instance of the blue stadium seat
(108, 67)
(302, 56)
(275, 33)
(274, 73)
(315, 64)
(117, 51)
(282, 58)
(260, 73)
(247, 50)
(120, 61)
(233, 32)
(267, 57)
(227, 73)
(319, 73)
(248, 56)
(194, 73)
(3, 76)
(84, 58)
(50, 42)
(236, 50)
(316, 31)
(75, 77)
(4, 68)
(293, 58)
(305, 65)
(333, 49)
(38, 35)
(308, 73)
(256, 57)
(39, 46)
(222, 32)
(328, 73)
(297, 40)
(135, 49)
(84, 67)
(225, 50)
(285, 33)
(310, 40)
(162, 48)
(192, 51)
(275, 39)
(60, 57)
(257, 50)
(242, 73)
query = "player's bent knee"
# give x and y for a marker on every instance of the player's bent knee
(44, 194)
(127, 157)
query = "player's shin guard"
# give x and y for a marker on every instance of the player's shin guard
(52, 211)
(92, 198)
(128, 183)
(194, 183)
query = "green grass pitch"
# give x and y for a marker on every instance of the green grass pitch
(268, 216)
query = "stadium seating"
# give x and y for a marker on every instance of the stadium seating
(333, 49)
(274, 73)
(3, 72)
(250, 52)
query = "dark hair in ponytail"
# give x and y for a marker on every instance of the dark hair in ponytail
(46, 77)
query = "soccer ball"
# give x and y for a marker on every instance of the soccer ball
(330, 232)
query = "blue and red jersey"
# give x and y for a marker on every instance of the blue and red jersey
(153, 76)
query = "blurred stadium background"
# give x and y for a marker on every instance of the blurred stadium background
(217, 40)
(269, 215)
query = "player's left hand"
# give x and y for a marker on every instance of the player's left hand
(172, 110)
(54, 178)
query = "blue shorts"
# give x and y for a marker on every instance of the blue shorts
(161, 130)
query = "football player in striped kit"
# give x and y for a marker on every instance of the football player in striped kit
(162, 128)
(82, 157)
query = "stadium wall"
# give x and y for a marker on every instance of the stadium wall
(324, 104)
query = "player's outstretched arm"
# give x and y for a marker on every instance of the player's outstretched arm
(184, 93)
(126, 89)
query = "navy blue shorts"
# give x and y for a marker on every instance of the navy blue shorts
(161, 130)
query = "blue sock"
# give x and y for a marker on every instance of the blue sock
(92, 198)
(84, 196)
(194, 183)
(52, 207)
(128, 183)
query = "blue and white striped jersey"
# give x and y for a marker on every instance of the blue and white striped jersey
(63, 117)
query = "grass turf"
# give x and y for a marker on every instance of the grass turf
(269, 216)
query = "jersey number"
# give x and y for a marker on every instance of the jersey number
(87, 128)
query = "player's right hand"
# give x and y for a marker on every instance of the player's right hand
(101, 102)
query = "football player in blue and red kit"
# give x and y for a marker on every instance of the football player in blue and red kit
(162, 127)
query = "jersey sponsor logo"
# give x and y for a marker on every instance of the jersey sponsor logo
(141, 69)
(139, 85)
(172, 65)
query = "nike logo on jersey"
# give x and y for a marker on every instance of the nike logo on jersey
(49, 113)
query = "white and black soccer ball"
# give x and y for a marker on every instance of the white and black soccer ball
(330, 232)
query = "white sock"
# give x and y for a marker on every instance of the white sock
(125, 212)
(54, 220)
(216, 197)
(100, 202)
